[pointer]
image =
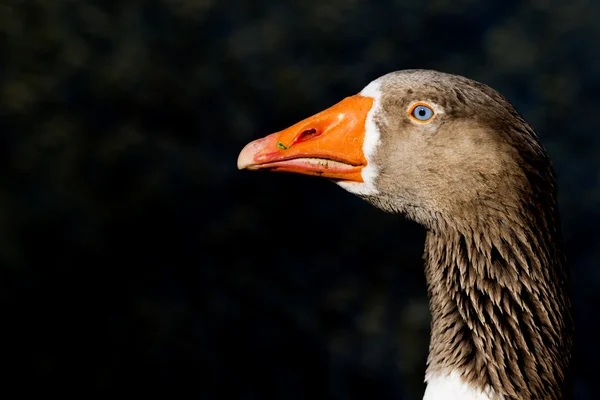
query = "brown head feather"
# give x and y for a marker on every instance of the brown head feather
(478, 178)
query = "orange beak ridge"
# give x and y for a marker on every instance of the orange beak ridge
(328, 144)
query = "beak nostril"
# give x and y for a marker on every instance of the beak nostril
(306, 135)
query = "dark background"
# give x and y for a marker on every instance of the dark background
(136, 259)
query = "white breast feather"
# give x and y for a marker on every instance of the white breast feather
(453, 387)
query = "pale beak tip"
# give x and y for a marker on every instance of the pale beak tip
(246, 157)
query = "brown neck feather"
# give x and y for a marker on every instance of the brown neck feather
(500, 303)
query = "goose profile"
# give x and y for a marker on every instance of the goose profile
(453, 155)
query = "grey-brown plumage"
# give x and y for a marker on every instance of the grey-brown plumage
(474, 173)
(480, 181)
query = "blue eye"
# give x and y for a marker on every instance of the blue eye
(422, 113)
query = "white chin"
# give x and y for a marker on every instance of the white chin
(366, 188)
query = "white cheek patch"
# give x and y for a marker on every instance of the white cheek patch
(371, 141)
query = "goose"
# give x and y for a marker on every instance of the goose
(454, 155)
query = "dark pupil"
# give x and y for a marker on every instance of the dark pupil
(422, 112)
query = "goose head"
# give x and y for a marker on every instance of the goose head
(454, 155)
(430, 145)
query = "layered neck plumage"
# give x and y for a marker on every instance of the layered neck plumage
(500, 304)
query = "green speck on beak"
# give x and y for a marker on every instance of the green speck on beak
(282, 146)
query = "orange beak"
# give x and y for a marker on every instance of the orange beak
(328, 144)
